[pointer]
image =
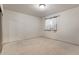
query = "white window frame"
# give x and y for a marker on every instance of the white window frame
(51, 24)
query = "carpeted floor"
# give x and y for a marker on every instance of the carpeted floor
(39, 46)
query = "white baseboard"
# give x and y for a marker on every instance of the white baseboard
(63, 41)
(19, 40)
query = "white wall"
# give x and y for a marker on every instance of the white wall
(68, 26)
(18, 26)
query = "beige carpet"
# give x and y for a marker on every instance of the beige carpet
(39, 46)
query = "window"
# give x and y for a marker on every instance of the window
(51, 24)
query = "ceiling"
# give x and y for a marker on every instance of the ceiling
(33, 9)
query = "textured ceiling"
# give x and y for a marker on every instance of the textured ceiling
(33, 9)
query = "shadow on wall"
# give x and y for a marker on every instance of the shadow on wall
(0, 32)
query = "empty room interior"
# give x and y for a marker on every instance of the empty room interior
(39, 29)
